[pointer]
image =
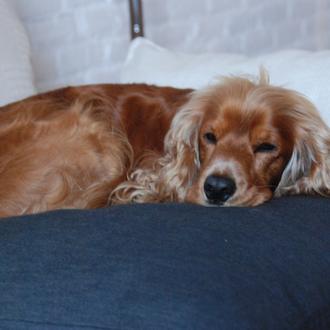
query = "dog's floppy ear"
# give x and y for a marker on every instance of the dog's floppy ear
(167, 177)
(308, 171)
(181, 160)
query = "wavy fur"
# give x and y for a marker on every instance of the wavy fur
(94, 146)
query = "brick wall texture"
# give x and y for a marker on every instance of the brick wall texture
(85, 41)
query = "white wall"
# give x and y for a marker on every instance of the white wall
(75, 41)
(85, 41)
(245, 26)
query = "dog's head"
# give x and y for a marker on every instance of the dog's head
(240, 142)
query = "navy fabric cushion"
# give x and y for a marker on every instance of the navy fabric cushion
(169, 267)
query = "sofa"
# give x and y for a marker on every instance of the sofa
(169, 266)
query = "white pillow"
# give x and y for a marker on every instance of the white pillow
(16, 78)
(304, 71)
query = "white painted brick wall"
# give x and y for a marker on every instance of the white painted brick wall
(247, 26)
(85, 41)
(76, 41)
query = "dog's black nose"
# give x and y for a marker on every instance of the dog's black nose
(218, 189)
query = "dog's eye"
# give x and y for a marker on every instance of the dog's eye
(210, 138)
(265, 147)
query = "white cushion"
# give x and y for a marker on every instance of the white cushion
(16, 78)
(304, 71)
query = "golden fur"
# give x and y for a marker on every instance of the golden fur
(236, 143)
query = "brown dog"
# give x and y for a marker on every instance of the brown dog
(234, 143)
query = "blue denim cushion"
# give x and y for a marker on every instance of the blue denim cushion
(169, 266)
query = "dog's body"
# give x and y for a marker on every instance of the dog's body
(232, 144)
(71, 147)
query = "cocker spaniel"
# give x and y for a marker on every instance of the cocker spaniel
(235, 143)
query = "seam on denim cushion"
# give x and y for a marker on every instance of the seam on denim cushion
(53, 324)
